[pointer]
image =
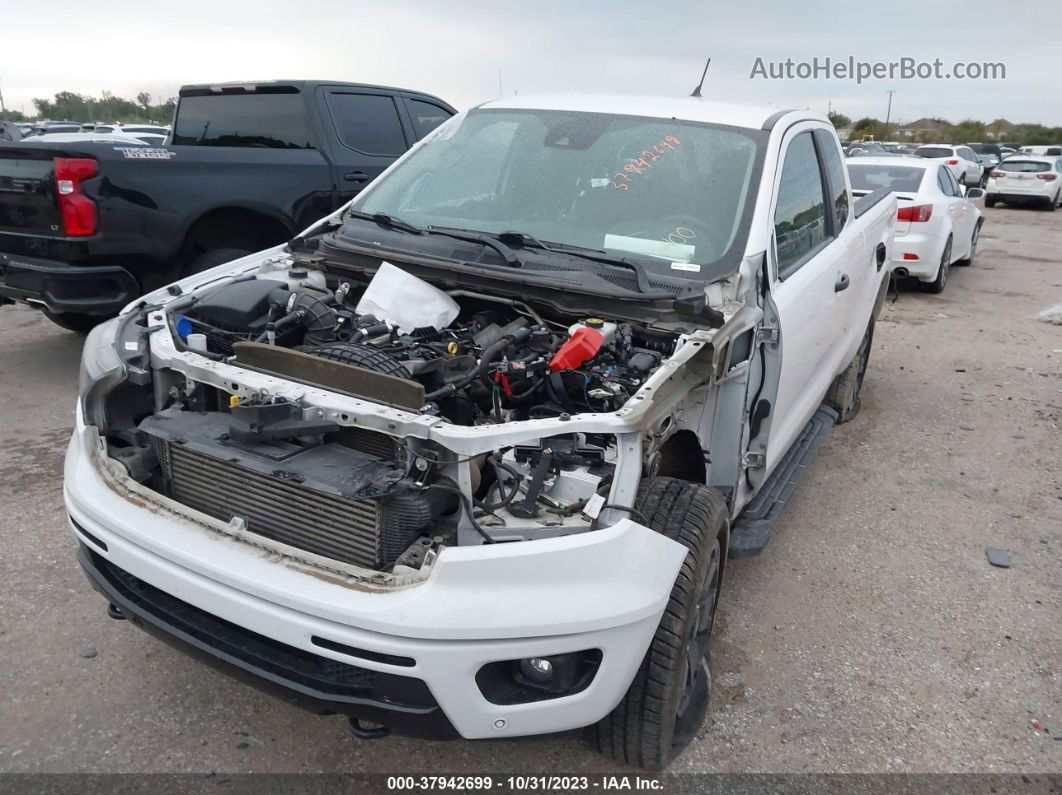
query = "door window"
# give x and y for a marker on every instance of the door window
(954, 183)
(367, 123)
(800, 214)
(944, 182)
(426, 116)
(834, 167)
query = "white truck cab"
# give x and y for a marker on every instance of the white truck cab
(468, 457)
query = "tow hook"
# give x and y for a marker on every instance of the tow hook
(364, 730)
(115, 612)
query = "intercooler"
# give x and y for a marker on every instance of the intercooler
(302, 497)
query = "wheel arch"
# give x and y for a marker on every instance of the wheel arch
(238, 226)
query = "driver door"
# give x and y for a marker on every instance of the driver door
(810, 286)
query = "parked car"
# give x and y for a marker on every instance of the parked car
(153, 133)
(1042, 151)
(961, 160)
(1005, 152)
(541, 299)
(864, 148)
(249, 165)
(938, 222)
(1026, 179)
(987, 149)
(42, 128)
(898, 149)
(988, 161)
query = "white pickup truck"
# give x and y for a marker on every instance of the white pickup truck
(468, 457)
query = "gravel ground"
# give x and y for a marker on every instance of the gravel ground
(871, 635)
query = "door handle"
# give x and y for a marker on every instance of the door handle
(356, 176)
(842, 283)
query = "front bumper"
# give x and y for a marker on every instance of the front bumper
(310, 681)
(61, 287)
(604, 590)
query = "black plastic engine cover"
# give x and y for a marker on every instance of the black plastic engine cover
(241, 306)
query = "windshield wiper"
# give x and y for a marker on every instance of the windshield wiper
(388, 221)
(484, 239)
(593, 254)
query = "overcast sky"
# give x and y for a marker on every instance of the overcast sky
(472, 50)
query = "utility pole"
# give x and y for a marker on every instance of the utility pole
(888, 115)
(2, 108)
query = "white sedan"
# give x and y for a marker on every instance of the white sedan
(1026, 178)
(938, 222)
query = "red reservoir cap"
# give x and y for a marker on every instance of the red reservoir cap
(580, 348)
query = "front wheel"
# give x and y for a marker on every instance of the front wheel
(668, 698)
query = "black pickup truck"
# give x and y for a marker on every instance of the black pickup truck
(87, 227)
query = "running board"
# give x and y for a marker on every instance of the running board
(752, 530)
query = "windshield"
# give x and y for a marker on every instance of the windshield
(675, 195)
(901, 179)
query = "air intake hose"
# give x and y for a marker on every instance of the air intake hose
(313, 314)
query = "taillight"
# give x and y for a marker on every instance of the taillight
(918, 213)
(908, 256)
(1046, 177)
(952, 162)
(995, 173)
(77, 209)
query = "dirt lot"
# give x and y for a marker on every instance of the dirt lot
(871, 635)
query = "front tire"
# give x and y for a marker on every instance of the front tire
(666, 702)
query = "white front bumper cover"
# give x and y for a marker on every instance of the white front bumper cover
(601, 590)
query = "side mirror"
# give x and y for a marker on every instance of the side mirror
(975, 193)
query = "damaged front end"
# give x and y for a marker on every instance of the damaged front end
(362, 428)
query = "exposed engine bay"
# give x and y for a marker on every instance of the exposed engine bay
(492, 361)
(360, 496)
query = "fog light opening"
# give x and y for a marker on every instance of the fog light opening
(538, 678)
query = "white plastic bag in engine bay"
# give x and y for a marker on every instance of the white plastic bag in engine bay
(408, 302)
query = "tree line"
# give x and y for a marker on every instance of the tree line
(69, 106)
(965, 131)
